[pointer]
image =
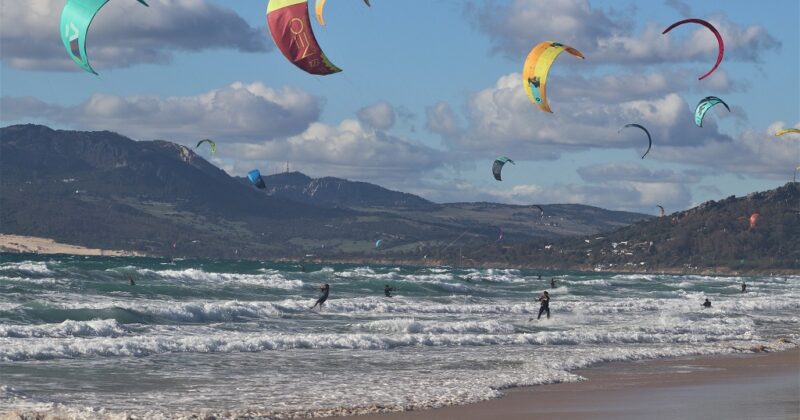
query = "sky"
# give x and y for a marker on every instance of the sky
(431, 93)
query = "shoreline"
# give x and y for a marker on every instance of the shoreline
(20, 244)
(730, 386)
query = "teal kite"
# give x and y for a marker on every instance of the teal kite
(76, 17)
(497, 166)
(704, 105)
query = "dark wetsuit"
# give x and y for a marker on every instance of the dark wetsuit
(707, 304)
(553, 283)
(388, 291)
(744, 287)
(545, 302)
(130, 279)
(325, 290)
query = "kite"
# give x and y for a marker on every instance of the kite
(290, 28)
(210, 142)
(649, 139)
(255, 178)
(713, 30)
(537, 65)
(787, 130)
(321, 5)
(500, 234)
(498, 166)
(704, 105)
(754, 219)
(662, 210)
(378, 243)
(540, 209)
(76, 17)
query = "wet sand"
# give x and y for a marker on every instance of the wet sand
(746, 386)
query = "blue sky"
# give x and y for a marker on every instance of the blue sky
(431, 93)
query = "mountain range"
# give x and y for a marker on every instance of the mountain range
(104, 190)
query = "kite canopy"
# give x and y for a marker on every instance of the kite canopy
(662, 210)
(704, 105)
(290, 28)
(649, 139)
(536, 68)
(713, 30)
(210, 142)
(321, 5)
(378, 243)
(754, 219)
(497, 167)
(255, 178)
(787, 130)
(500, 234)
(76, 17)
(541, 210)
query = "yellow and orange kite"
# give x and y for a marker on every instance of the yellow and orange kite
(537, 65)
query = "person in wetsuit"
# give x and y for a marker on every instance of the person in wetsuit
(552, 282)
(544, 300)
(130, 280)
(744, 287)
(387, 290)
(707, 303)
(325, 289)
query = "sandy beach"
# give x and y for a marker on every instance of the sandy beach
(745, 386)
(35, 245)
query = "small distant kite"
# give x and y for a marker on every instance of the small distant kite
(255, 178)
(321, 5)
(787, 130)
(378, 243)
(649, 139)
(704, 105)
(76, 17)
(210, 143)
(290, 28)
(753, 220)
(662, 210)
(714, 30)
(497, 167)
(500, 234)
(536, 68)
(541, 210)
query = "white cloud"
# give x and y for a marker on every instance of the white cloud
(348, 149)
(501, 119)
(123, 33)
(636, 172)
(608, 37)
(380, 115)
(244, 112)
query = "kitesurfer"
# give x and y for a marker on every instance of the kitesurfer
(552, 282)
(707, 303)
(387, 290)
(130, 280)
(744, 287)
(544, 300)
(325, 289)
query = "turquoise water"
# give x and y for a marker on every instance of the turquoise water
(238, 338)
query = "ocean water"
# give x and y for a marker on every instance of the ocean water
(198, 337)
